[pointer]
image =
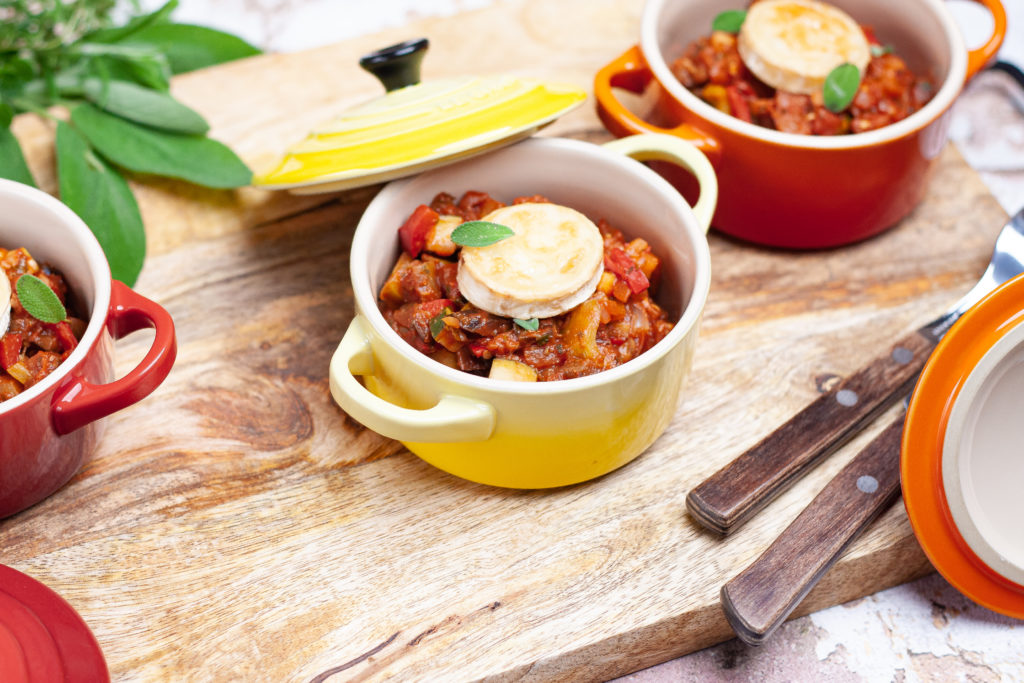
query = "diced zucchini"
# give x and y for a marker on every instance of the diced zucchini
(513, 370)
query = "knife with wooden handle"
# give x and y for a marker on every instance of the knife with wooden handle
(728, 498)
(732, 495)
(760, 597)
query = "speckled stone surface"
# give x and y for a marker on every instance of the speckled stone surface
(922, 631)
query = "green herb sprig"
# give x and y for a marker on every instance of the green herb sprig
(840, 87)
(480, 233)
(531, 325)
(39, 300)
(730, 20)
(114, 81)
(437, 323)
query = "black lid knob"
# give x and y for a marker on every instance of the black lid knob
(398, 65)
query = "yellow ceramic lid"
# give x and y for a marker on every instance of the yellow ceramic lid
(416, 127)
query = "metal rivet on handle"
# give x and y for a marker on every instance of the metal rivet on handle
(847, 398)
(867, 484)
(902, 355)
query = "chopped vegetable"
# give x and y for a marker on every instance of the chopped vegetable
(512, 370)
(619, 262)
(439, 237)
(413, 233)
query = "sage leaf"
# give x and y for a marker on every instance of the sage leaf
(149, 70)
(531, 324)
(136, 24)
(101, 197)
(15, 71)
(193, 158)
(12, 161)
(143, 105)
(729, 21)
(480, 233)
(39, 300)
(190, 47)
(840, 87)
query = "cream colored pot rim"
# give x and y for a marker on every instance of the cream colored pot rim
(369, 233)
(99, 271)
(986, 537)
(943, 99)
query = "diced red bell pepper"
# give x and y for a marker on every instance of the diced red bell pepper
(618, 261)
(10, 349)
(413, 232)
(738, 103)
(429, 309)
(869, 33)
(65, 336)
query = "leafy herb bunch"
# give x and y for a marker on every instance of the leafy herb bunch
(114, 83)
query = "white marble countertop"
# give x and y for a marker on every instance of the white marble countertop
(921, 631)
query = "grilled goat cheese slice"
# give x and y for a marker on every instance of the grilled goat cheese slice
(792, 45)
(552, 264)
(5, 302)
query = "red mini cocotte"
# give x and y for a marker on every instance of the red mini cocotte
(48, 430)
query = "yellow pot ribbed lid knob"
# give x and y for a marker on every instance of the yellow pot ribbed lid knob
(417, 126)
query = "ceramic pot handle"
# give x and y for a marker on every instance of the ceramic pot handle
(631, 72)
(81, 402)
(453, 419)
(659, 147)
(980, 57)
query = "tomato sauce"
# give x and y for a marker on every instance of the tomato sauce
(31, 349)
(421, 301)
(889, 91)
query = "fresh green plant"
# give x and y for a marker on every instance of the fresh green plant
(841, 87)
(39, 300)
(730, 21)
(106, 87)
(480, 233)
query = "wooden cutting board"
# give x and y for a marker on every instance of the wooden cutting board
(236, 525)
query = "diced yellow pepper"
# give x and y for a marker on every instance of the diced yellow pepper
(513, 370)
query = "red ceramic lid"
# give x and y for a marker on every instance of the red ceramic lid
(960, 466)
(42, 638)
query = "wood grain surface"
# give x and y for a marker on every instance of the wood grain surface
(237, 526)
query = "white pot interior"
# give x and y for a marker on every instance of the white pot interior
(982, 467)
(597, 182)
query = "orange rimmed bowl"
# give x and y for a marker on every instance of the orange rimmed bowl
(799, 191)
(962, 466)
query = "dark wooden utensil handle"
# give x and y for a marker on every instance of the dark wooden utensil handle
(760, 597)
(728, 498)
